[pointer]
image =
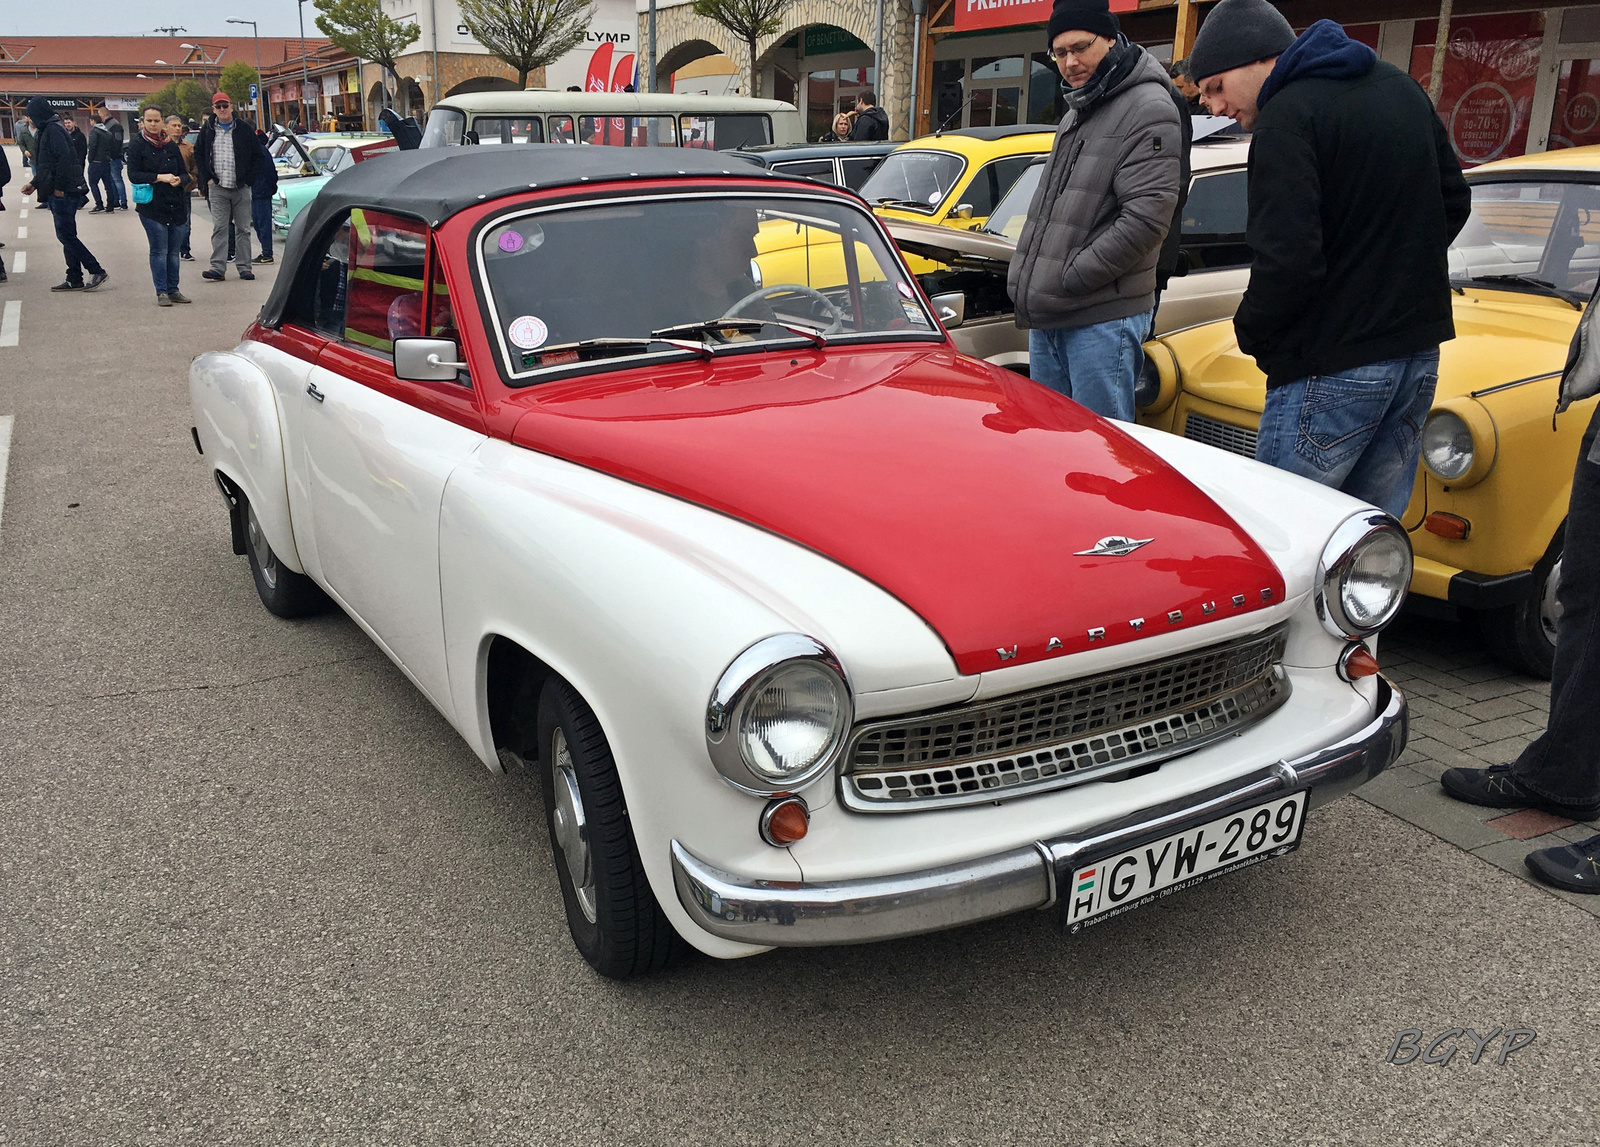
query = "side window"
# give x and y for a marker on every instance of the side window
(318, 301)
(992, 182)
(562, 130)
(628, 131)
(384, 297)
(818, 169)
(726, 132)
(856, 170)
(1214, 218)
(509, 129)
(441, 316)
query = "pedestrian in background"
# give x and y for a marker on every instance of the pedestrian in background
(114, 126)
(102, 146)
(5, 178)
(58, 181)
(1187, 88)
(156, 162)
(227, 154)
(27, 140)
(80, 142)
(1349, 294)
(1559, 772)
(840, 132)
(871, 121)
(1084, 275)
(177, 132)
(261, 191)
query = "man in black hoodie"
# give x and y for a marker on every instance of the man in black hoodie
(58, 180)
(1355, 195)
(872, 122)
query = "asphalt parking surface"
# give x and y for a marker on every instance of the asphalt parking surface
(253, 889)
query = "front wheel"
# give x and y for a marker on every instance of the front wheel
(611, 912)
(1523, 634)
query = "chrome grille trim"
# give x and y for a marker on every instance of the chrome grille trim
(1064, 734)
(1222, 435)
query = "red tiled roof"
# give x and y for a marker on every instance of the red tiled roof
(81, 54)
(69, 84)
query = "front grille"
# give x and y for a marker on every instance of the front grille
(1065, 734)
(1222, 435)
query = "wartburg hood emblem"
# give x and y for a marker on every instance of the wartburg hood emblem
(1115, 546)
(956, 487)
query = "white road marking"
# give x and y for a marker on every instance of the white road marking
(20, 264)
(10, 321)
(22, 232)
(5, 454)
(23, 213)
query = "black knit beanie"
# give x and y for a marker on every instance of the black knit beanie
(1236, 33)
(1090, 15)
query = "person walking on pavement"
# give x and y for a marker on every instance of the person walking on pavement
(227, 154)
(5, 178)
(155, 161)
(114, 126)
(58, 181)
(102, 146)
(27, 140)
(80, 142)
(1349, 294)
(261, 192)
(177, 132)
(872, 122)
(1084, 275)
(1559, 772)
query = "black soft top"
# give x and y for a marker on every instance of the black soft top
(435, 183)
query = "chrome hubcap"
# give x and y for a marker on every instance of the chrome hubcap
(1549, 606)
(572, 829)
(265, 558)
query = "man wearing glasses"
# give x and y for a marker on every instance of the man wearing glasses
(1084, 276)
(227, 156)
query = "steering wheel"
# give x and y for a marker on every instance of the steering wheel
(765, 294)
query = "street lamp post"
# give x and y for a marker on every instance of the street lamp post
(174, 68)
(256, 32)
(305, 72)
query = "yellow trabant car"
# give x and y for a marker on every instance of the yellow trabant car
(955, 177)
(1490, 500)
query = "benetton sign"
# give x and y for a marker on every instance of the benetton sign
(972, 14)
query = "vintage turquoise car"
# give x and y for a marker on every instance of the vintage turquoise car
(321, 157)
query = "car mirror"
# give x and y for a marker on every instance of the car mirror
(951, 308)
(962, 211)
(470, 137)
(1184, 264)
(427, 360)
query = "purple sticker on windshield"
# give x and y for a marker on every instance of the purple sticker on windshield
(510, 242)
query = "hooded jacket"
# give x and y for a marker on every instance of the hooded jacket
(103, 146)
(1355, 195)
(871, 124)
(1105, 201)
(56, 167)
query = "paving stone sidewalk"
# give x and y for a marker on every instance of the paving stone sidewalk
(1467, 709)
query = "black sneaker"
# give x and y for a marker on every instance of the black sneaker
(67, 287)
(1575, 867)
(98, 210)
(186, 257)
(262, 259)
(95, 279)
(1495, 787)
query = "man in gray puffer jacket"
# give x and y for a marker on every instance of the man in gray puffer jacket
(1084, 275)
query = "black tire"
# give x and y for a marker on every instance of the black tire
(613, 917)
(1523, 634)
(284, 592)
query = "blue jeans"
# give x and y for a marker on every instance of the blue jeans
(100, 175)
(261, 222)
(65, 210)
(1097, 365)
(166, 240)
(116, 183)
(1359, 431)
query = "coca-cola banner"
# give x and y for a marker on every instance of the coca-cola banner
(972, 14)
(1490, 67)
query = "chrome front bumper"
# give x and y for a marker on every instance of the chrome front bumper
(800, 914)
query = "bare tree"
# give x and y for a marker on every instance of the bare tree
(1441, 48)
(527, 34)
(747, 19)
(360, 28)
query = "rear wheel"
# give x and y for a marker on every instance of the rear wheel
(284, 592)
(611, 912)
(1523, 634)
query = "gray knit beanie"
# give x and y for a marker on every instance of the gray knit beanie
(1236, 33)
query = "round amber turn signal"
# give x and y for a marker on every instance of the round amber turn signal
(1357, 661)
(784, 821)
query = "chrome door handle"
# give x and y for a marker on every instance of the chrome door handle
(311, 389)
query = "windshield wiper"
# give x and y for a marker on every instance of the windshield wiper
(916, 203)
(1539, 286)
(741, 326)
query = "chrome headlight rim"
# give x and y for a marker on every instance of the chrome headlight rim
(743, 679)
(1338, 556)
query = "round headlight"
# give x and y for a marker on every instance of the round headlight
(1363, 575)
(1447, 445)
(779, 715)
(1148, 388)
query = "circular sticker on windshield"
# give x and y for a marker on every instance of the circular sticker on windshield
(905, 289)
(510, 242)
(528, 332)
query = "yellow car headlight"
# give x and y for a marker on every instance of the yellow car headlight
(1459, 442)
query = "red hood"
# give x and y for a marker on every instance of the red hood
(963, 490)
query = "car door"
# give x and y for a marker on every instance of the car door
(1214, 219)
(378, 451)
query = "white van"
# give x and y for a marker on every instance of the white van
(621, 119)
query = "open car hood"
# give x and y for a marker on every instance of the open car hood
(976, 497)
(975, 249)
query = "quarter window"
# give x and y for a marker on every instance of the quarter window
(1214, 218)
(384, 297)
(818, 169)
(992, 182)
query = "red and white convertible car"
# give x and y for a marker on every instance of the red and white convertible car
(658, 476)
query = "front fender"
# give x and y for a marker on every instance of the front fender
(236, 415)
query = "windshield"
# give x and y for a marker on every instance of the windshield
(446, 127)
(919, 180)
(1538, 237)
(1012, 211)
(668, 268)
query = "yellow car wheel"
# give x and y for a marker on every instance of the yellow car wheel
(1523, 634)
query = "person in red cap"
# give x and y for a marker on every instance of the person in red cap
(227, 155)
